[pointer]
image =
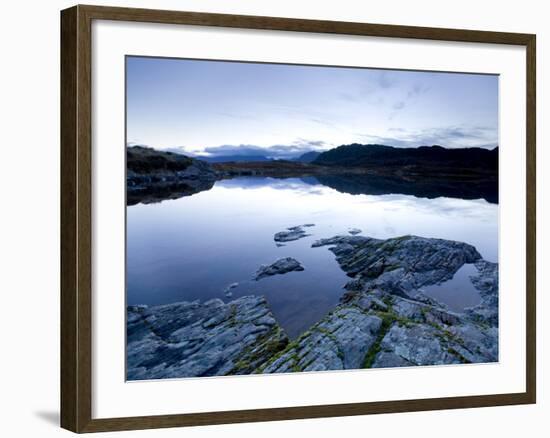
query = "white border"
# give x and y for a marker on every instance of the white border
(113, 397)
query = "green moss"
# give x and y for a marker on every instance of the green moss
(279, 354)
(240, 366)
(404, 322)
(232, 316)
(327, 333)
(267, 346)
(388, 300)
(375, 348)
(460, 357)
(295, 359)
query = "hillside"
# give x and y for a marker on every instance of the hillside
(153, 175)
(374, 155)
(142, 160)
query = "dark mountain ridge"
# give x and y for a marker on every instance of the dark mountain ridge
(144, 160)
(375, 155)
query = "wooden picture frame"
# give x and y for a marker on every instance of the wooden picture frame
(76, 218)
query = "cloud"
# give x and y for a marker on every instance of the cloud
(417, 89)
(398, 105)
(371, 90)
(450, 136)
(237, 116)
(279, 151)
(386, 79)
(410, 96)
(323, 122)
(348, 97)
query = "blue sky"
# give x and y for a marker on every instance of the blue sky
(218, 107)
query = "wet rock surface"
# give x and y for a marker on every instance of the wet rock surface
(339, 341)
(281, 266)
(377, 330)
(398, 265)
(292, 233)
(193, 339)
(384, 320)
(228, 291)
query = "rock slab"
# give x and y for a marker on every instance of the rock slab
(292, 233)
(279, 267)
(191, 339)
(384, 320)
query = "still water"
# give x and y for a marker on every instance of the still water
(193, 247)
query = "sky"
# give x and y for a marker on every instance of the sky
(223, 108)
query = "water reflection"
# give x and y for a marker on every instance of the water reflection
(195, 246)
(355, 184)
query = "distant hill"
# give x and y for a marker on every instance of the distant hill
(375, 155)
(308, 157)
(152, 175)
(141, 160)
(234, 158)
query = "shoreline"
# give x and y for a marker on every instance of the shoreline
(382, 319)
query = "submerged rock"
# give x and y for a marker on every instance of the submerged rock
(192, 339)
(292, 233)
(281, 266)
(228, 290)
(354, 231)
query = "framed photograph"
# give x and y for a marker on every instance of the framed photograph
(270, 218)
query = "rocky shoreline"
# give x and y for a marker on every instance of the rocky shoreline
(154, 176)
(383, 319)
(193, 339)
